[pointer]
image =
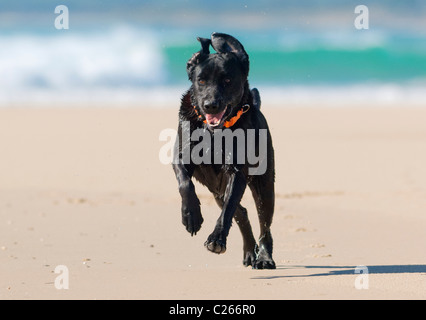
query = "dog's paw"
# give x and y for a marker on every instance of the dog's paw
(264, 264)
(264, 261)
(250, 257)
(192, 219)
(215, 244)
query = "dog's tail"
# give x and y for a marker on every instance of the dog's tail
(256, 98)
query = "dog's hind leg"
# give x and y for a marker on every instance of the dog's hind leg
(264, 198)
(216, 241)
(249, 243)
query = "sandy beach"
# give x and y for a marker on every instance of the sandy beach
(84, 188)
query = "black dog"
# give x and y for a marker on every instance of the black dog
(220, 98)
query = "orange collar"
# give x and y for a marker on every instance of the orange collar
(233, 120)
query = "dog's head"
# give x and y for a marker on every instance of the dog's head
(218, 79)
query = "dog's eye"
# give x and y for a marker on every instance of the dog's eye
(202, 82)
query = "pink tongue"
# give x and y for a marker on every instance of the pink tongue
(214, 118)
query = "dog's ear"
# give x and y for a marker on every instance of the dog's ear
(198, 56)
(222, 43)
(205, 43)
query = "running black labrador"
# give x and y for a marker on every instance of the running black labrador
(219, 100)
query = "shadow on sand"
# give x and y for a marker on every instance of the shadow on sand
(348, 270)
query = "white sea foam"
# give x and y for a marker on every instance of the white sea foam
(362, 95)
(169, 97)
(78, 62)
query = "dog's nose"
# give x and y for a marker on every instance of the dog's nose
(211, 107)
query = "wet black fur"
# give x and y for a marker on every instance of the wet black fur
(227, 182)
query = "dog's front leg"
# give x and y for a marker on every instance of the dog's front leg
(191, 213)
(235, 188)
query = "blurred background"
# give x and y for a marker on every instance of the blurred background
(134, 52)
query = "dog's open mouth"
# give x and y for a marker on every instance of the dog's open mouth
(214, 120)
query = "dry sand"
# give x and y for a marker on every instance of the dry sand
(84, 188)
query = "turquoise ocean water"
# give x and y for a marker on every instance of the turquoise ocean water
(323, 59)
(138, 50)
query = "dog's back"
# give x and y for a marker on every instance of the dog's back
(256, 98)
